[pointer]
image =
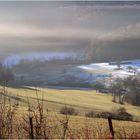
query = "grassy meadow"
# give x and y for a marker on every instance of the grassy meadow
(54, 124)
(83, 100)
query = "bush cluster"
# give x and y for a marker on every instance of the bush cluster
(119, 114)
(68, 111)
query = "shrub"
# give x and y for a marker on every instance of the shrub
(90, 114)
(123, 115)
(119, 114)
(7, 116)
(68, 111)
(93, 114)
(104, 115)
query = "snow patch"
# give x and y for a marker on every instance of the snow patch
(110, 69)
(98, 66)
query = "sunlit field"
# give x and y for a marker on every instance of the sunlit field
(80, 99)
(78, 126)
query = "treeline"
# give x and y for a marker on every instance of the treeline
(6, 74)
(122, 89)
(55, 61)
(127, 89)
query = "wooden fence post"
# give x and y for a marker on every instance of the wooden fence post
(111, 127)
(31, 127)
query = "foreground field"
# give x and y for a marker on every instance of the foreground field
(83, 100)
(98, 128)
(54, 125)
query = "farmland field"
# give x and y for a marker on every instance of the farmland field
(83, 100)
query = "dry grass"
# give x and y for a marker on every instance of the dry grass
(81, 100)
(15, 115)
(51, 125)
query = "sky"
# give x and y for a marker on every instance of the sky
(64, 26)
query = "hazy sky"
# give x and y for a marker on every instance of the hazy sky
(46, 26)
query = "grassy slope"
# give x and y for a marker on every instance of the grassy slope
(82, 100)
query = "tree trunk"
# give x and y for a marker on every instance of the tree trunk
(114, 97)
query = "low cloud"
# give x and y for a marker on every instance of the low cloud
(58, 27)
